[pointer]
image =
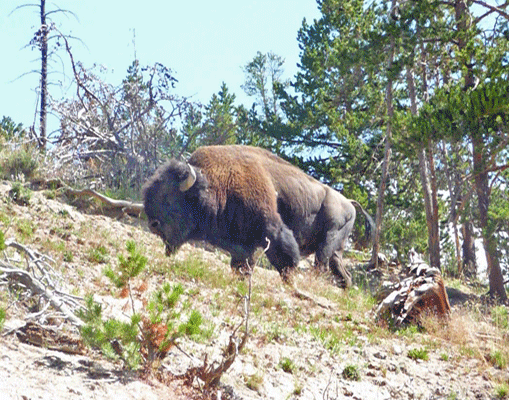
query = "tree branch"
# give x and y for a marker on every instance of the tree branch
(41, 286)
(37, 287)
(492, 9)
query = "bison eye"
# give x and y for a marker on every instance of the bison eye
(155, 224)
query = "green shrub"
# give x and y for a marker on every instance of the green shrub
(500, 317)
(287, 365)
(351, 373)
(26, 228)
(98, 255)
(329, 338)
(502, 391)
(115, 338)
(3, 315)
(20, 194)
(10, 130)
(254, 382)
(2, 241)
(498, 359)
(418, 354)
(68, 256)
(19, 164)
(128, 268)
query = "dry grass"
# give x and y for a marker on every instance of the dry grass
(333, 317)
(472, 333)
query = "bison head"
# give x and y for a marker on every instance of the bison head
(169, 203)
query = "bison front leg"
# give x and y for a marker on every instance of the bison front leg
(242, 264)
(321, 266)
(283, 251)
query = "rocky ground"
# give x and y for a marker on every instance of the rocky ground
(286, 357)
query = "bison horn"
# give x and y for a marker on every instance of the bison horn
(189, 181)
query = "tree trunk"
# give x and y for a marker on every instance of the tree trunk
(482, 188)
(480, 164)
(387, 159)
(454, 187)
(44, 76)
(434, 234)
(428, 182)
(431, 206)
(381, 190)
(469, 262)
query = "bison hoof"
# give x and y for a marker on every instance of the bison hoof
(242, 270)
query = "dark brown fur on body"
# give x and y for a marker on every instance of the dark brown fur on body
(243, 195)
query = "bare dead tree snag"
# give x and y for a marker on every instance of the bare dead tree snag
(40, 41)
(121, 133)
(44, 76)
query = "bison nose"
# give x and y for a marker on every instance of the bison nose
(154, 225)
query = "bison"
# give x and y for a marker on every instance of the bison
(236, 197)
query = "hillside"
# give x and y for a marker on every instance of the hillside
(322, 346)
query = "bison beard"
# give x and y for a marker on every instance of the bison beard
(237, 197)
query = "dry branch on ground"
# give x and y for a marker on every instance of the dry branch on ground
(126, 206)
(37, 278)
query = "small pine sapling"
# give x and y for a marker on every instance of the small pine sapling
(162, 328)
(128, 268)
(150, 332)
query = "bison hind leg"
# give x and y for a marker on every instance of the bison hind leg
(339, 269)
(283, 251)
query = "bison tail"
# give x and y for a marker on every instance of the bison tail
(369, 224)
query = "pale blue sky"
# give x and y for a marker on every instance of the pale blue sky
(203, 42)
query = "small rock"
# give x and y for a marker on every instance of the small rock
(392, 368)
(373, 366)
(397, 349)
(403, 368)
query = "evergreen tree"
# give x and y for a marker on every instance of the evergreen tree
(219, 124)
(470, 105)
(414, 72)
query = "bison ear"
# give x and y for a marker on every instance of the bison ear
(189, 181)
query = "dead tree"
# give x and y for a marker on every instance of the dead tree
(40, 41)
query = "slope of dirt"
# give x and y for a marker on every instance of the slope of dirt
(286, 357)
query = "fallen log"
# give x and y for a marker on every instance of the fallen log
(127, 206)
